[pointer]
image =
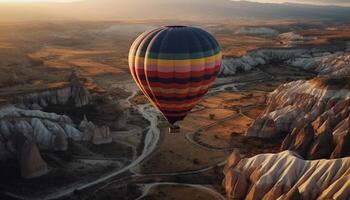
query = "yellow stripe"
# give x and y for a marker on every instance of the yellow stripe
(177, 63)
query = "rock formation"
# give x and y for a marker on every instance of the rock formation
(48, 130)
(31, 163)
(286, 176)
(74, 94)
(336, 64)
(97, 135)
(292, 39)
(24, 132)
(322, 62)
(314, 115)
(262, 31)
(231, 66)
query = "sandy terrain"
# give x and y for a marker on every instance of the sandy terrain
(171, 157)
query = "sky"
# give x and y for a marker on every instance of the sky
(317, 2)
(212, 10)
(30, 1)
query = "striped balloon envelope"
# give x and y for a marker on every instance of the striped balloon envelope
(174, 66)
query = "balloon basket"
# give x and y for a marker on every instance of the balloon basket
(174, 129)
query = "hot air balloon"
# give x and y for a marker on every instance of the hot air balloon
(174, 66)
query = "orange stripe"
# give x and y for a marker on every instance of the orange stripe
(176, 91)
(165, 102)
(178, 86)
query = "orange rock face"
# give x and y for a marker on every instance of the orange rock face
(287, 176)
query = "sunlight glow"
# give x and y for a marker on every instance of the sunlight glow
(313, 2)
(35, 1)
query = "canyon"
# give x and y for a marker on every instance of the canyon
(320, 61)
(309, 117)
(275, 121)
(286, 176)
(25, 130)
(312, 115)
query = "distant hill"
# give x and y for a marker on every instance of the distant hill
(173, 9)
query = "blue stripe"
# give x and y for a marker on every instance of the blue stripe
(179, 56)
(182, 40)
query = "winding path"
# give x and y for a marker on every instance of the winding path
(150, 144)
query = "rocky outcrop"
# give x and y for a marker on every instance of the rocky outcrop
(314, 115)
(97, 135)
(231, 66)
(336, 64)
(299, 140)
(322, 62)
(74, 94)
(287, 176)
(24, 132)
(238, 181)
(260, 31)
(48, 130)
(31, 163)
(292, 39)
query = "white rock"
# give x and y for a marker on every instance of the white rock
(264, 31)
(42, 136)
(59, 141)
(72, 132)
(317, 179)
(325, 63)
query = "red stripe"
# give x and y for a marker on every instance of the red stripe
(176, 109)
(176, 85)
(178, 74)
(165, 102)
(168, 95)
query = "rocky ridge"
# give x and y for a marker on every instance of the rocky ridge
(25, 129)
(24, 132)
(293, 39)
(286, 176)
(329, 63)
(313, 116)
(74, 94)
(96, 134)
(260, 31)
(336, 64)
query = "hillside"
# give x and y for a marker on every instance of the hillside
(286, 176)
(313, 115)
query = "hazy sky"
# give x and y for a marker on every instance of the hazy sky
(212, 10)
(28, 1)
(318, 2)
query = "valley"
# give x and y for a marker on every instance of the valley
(95, 136)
